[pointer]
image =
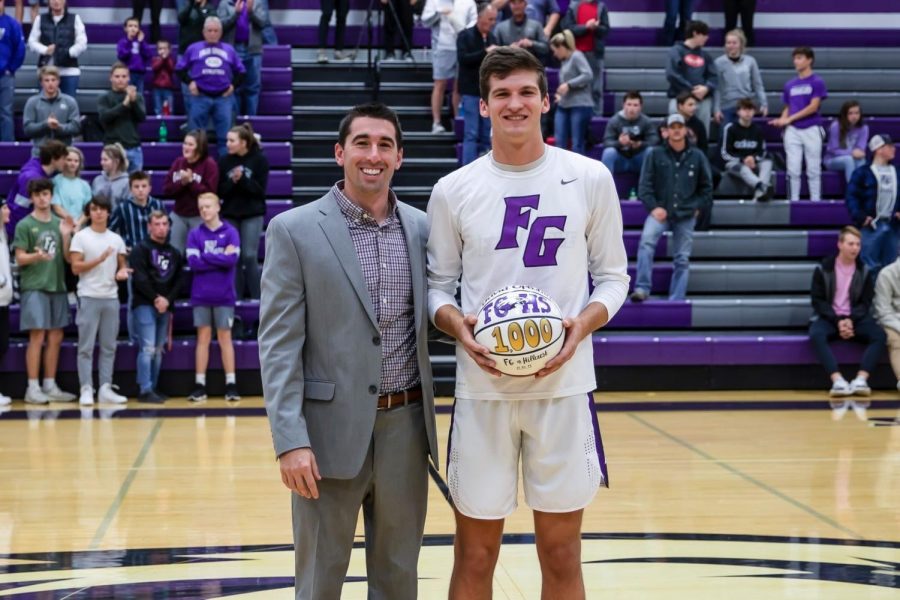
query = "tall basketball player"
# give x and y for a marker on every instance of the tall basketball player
(528, 214)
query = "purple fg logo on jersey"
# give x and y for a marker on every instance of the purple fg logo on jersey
(162, 261)
(539, 250)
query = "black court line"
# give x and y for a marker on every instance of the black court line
(750, 479)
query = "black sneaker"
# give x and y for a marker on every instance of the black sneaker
(199, 393)
(159, 394)
(151, 397)
(231, 392)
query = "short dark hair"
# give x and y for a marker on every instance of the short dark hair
(684, 97)
(52, 150)
(41, 184)
(633, 95)
(696, 27)
(746, 103)
(804, 51)
(372, 110)
(199, 136)
(101, 202)
(158, 214)
(849, 230)
(137, 176)
(503, 61)
(129, 19)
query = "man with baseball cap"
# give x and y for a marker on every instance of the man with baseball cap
(675, 185)
(873, 200)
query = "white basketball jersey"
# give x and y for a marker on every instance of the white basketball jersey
(549, 224)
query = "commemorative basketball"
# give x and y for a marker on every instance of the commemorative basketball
(522, 327)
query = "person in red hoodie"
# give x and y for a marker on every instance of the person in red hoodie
(163, 66)
(588, 21)
(192, 174)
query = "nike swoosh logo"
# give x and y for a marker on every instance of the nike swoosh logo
(564, 182)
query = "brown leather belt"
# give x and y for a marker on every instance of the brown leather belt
(402, 398)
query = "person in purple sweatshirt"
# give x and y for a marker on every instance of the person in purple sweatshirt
(135, 53)
(213, 71)
(213, 250)
(847, 136)
(51, 158)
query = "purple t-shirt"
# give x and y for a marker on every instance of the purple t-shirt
(797, 95)
(211, 66)
(213, 270)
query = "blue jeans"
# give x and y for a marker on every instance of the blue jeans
(161, 96)
(152, 329)
(135, 158)
(680, 10)
(572, 123)
(137, 80)
(476, 130)
(186, 98)
(683, 240)
(219, 109)
(7, 93)
(248, 267)
(845, 163)
(246, 99)
(617, 163)
(879, 246)
(69, 85)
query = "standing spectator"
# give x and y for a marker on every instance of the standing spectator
(887, 312)
(873, 201)
(193, 173)
(191, 17)
(686, 106)
(738, 78)
(680, 11)
(472, 45)
(340, 24)
(398, 22)
(213, 71)
(41, 243)
(59, 38)
(802, 124)
(51, 158)
(846, 150)
(120, 111)
(589, 22)
(130, 218)
(112, 182)
(71, 193)
(628, 135)
(243, 177)
(50, 114)
(157, 280)
(574, 104)
(12, 54)
(213, 250)
(446, 19)
(155, 10)
(6, 288)
(545, 12)
(690, 68)
(135, 53)
(163, 66)
(746, 9)
(98, 259)
(842, 292)
(743, 151)
(675, 186)
(242, 22)
(521, 32)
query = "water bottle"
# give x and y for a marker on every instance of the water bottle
(163, 129)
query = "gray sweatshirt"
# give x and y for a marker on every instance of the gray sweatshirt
(738, 79)
(116, 189)
(34, 119)
(887, 296)
(641, 129)
(576, 71)
(509, 31)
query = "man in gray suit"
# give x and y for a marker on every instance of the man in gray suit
(345, 368)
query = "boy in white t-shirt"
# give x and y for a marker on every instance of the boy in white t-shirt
(98, 258)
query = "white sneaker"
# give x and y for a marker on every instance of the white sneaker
(321, 56)
(860, 387)
(5, 400)
(898, 386)
(437, 128)
(87, 395)
(36, 396)
(57, 395)
(106, 395)
(840, 388)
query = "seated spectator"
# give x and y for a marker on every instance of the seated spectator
(574, 104)
(243, 177)
(12, 54)
(628, 136)
(340, 24)
(680, 12)
(155, 11)
(213, 250)
(192, 15)
(98, 259)
(675, 186)
(193, 173)
(691, 69)
(802, 124)
(163, 66)
(746, 10)
(743, 151)
(157, 279)
(41, 244)
(738, 78)
(242, 24)
(847, 137)
(472, 45)
(135, 53)
(521, 32)
(545, 12)
(71, 193)
(59, 38)
(51, 159)
(588, 20)
(213, 71)
(686, 106)
(50, 114)
(873, 200)
(6, 288)
(112, 182)
(446, 19)
(887, 312)
(842, 293)
(120, 111)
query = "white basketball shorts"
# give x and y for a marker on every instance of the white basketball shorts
(560, 447)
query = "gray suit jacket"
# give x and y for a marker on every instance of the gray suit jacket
(319, 342)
